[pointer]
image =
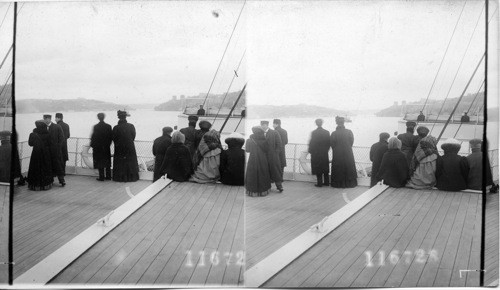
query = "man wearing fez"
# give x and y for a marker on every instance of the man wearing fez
(273, 154)
(201, 111)
(65, 128)
(191, 133)
(409, 141)
(475, 159)
(284, 140)
(100, 141)
(56, 142)
(160, 146)
(465, 118)
(343, 171)
(421, 117)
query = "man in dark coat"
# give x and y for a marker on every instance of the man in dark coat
(344, 173)
(64, 147)
(475, 159)
(273, 154)
(465, 118)
(191, 135)
(100, 141)
(319, 145)
(56, 142)
(421, 117)
(376, 153)
(125, 165)
(160, 146)
(201, 111)
(409, 141)
(452, 170)
(284, 140)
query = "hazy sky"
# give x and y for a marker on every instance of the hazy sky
(131, 52)
(6, 34)
(341, 54)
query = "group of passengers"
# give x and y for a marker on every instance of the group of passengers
(414, 161)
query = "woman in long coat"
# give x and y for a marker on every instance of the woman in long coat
(160, 146)
(125, 166)
(423, 164)
(177, 164)
(394, 167)
(208, 152)
(319, 145)
(452, 170)
(40, 175)
(232, 161)
(258, 176)
(344, 173)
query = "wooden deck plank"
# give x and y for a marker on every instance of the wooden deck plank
(413, 250)
(398, 245)
(392, 233)
(301, 268)
(45, 237)
(114, 240)
(314, 260)
(473, 278)
(200, 273)
(429, 272)
(491, 243)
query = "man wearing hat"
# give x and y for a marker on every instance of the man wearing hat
(201, 111)
(475, 159)
(343, 173)
(100, 141)
(273, 154)
(421, 117)
(65, 128)
(284, 140)
(125, 165)
(452, 170)
(160, 146)
(409, 141)
(56, 142)
(191, 133)
(465, 118)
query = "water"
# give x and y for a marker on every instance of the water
(148, 124)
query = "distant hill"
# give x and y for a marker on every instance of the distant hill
(6, 92)
(214, 101)
(66, 105)
(301, 110)
(434, 106)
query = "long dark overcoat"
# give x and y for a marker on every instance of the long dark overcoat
(191, 141)
(409, 143)
(100, 141)
(40, 168)
(125, 166)
(376, 154)
(232, 166)
(56, 142)
(284, 140)
(64, 145)
(177, 164)
(393, 169)
(452, 171)
(273, 155)
(160, 146)
(344, 173)
(257, 176)
(319, 145)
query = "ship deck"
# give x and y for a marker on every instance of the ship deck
(188, 234)
(432, 235)
(46, 220)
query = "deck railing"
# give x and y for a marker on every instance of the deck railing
(296, 155)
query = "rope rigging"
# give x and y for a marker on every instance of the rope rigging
(468, 110)
(235, 75)
(222, 58)
(444, 56)
(458, 70)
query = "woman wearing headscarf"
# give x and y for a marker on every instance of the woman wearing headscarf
(232, 161)
(125, 166)
(207, 158)
(423, 164)
(394, 167)
(177, 163)
(258, 176)
(452, 170)
(344, 173)
(40, 175)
